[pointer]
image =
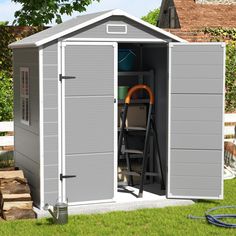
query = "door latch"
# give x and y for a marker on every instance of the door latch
(66, 77)
(66, 176)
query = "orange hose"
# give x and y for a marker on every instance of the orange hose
(138, 87)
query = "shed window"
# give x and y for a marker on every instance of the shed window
(24, 95)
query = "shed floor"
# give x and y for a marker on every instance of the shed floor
(125, 200)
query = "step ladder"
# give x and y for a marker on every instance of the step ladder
(149, 130)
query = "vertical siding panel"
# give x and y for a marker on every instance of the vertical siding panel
(50, 87)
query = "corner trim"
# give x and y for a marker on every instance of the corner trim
(41, 127)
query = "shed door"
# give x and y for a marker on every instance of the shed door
(196, 91)
(89, 121)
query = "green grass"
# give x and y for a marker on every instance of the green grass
(165, 221)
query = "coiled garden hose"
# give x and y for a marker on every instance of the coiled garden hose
(214, 219)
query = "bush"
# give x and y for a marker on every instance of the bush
(230, 83)
(229, 36)
(6, 97)
(152, 16)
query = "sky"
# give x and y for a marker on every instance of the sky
(134, 7)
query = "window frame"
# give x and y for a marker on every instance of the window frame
(25, 95)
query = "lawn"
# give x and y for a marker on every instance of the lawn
(165, 221)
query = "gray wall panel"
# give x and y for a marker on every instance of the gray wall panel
(85, 129)
(50, 89)
(134, 30)
(202, 193)
(198, 114)
(26, 138)
(94, 177)
(196, 141)
(196, 100)
(50, 57)
(200, 72)
(51, 197)
(50, 172)
(31, 172)
(205, 49)
(196, 127)
(93, 68)
(196, 121)
(50, 143)
(50, 72)
(51, 185)
(193, 86)
(27, 58)
(200, 58)
(50, 115)
(50, 129)
(27, 143)
(50, 157)
(50, 101)
(196, 170)
(196, 156)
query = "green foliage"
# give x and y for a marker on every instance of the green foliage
(229, 36)
(6, 82)
(6, 97)
(230, 83)
(42, 12)
(167, 221)
(4, 23)
(152, 16)
(222, 33)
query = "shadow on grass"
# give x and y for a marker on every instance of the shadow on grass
(49, 221)
(207, 201)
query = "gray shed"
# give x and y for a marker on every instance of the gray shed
(69, 126)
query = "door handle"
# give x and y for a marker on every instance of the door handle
(66, 176)
(66, 77)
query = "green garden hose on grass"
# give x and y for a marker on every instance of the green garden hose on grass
(214, 219)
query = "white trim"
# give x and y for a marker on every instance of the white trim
(92, 202)
(6, 141)
(230, 117)
(6, 126)
(59, 100)
(133, 40)
(115, 46)
(169, 120)
(169, 195)
(41, 128)
(63, 161)
(223, 119)
(172, 44)
(195, 197)
(116, 12)
(116, 25)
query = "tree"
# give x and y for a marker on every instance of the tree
(38, 13)
(152, 16)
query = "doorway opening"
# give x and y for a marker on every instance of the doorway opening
(142, 64)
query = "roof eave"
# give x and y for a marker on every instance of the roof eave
(22, 45)
(116, 12)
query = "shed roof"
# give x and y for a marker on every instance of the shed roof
(80, 22)
(193, 15)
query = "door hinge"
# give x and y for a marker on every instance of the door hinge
(66, 176)
(114, 100)
(66, 77)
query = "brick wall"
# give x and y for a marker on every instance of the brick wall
(216, 1)
(191, 35)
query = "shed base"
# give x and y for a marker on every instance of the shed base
(125, 200)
